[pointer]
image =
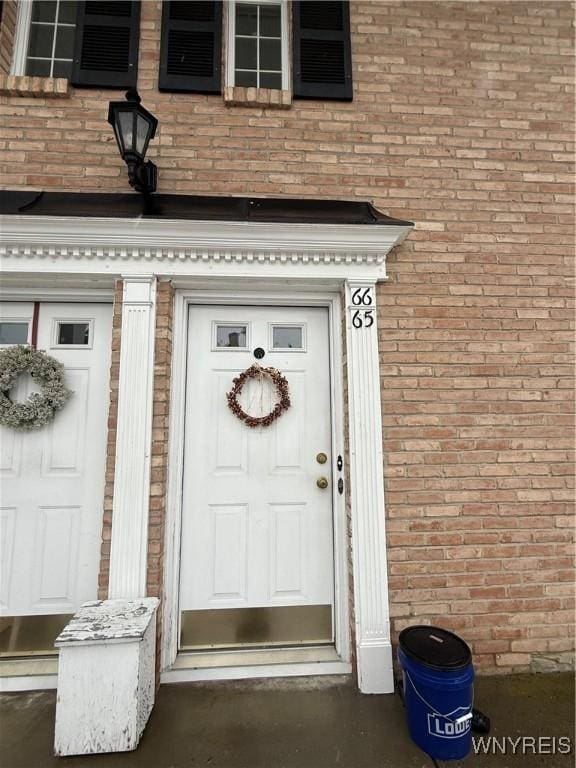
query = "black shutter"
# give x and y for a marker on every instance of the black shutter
(106, 48)
(321, 50)
(191, 48)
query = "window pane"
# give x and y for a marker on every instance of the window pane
(270, 54)
(270, 24)
(67, 12)
(41, 39)
(13, 333)
(231, 336)
(245, 53)
(65, 42)
(246, 19)
(62, 69)
(284, 337)
(246, 79)
(38, 68)
(44, 10)
(73, 333)
(271, 80)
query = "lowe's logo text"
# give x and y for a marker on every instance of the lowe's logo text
(445, 728)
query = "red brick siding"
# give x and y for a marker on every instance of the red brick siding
(7, 30)
(111, 445)
(159, 461)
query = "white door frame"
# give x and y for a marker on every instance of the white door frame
(170, 631)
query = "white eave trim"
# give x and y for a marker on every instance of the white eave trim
(80, 238)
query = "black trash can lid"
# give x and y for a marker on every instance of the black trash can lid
(435, 648)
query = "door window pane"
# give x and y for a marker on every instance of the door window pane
(73, 333)
(287, 337)
(231, 336)
(13, 332)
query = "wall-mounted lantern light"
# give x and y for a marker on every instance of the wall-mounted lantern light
(133, 127)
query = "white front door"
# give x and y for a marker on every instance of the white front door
(257, 563)
(52, 479)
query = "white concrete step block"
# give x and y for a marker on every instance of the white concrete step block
(106, 680)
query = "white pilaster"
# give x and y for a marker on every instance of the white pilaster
(372, 618)
(130, 505)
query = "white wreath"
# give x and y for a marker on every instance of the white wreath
(40, 407)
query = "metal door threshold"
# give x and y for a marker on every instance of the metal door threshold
(270, 662)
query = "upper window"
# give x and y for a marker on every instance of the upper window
(51, 39)
(257, 45)
(93, 43)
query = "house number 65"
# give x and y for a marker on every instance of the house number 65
(363, 318)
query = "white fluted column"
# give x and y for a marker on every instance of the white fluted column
(372, 616)
(128, 553)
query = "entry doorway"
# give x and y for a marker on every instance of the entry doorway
(52, 479)
(257, 544)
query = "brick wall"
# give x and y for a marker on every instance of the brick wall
(104, 574)
(159, 461)
(462, 121)
(7, 29)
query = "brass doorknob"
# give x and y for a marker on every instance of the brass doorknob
(321, 458)
(322, 482)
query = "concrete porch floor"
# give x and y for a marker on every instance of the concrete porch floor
(298, 723)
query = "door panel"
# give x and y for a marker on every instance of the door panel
(53, 477)
(256, 528)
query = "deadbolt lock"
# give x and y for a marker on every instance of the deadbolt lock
(322, 482)
(321, 458)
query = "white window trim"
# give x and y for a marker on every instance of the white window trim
(57, 321)
(21, 36)
(272, 326)
(217, 323)
(231, 40)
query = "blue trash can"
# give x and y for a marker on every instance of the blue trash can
(438, 691)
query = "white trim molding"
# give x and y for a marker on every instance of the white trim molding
(130, 506)
(184, 248)
(21, 36)
(372, 618)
